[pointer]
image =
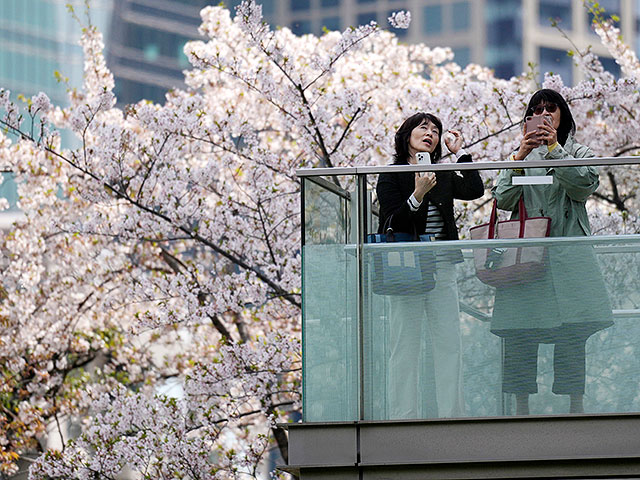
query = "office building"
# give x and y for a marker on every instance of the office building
(145, 51)
(38, 39)
(505, 35)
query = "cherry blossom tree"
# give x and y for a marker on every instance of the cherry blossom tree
(165, 250)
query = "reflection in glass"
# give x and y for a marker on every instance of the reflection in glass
(606, 266)
(329, 329)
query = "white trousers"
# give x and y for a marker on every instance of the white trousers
(426, 327)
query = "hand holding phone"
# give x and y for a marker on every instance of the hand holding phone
(532, 123)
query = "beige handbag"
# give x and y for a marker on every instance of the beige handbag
(502, 267)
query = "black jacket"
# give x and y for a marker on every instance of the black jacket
(394, 189)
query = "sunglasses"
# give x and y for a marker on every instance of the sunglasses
(550, 108)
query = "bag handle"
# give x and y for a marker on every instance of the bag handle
(388, 230)
(493, 219)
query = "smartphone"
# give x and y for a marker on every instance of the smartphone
(532, 123)
(424, 158)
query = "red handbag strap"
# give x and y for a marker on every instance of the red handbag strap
(493, 219)
(522, 215)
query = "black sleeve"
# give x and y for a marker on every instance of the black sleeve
(393, 201)
(467, 185)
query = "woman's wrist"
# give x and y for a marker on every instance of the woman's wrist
(414, 203)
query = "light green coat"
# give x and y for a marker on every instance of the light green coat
(572, 291)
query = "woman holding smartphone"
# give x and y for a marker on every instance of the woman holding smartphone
(423, 203)
(569, 303)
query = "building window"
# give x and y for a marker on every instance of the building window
(153, 43)
(365, 18)
(301, 27)
(130, 91)
(151, 52)
(460, 16)
(555, 10)
(183, 61)
(432, 19)
(331, 23)
(330, 3)
(268, 7)
(503, 32)
(462, 56)
(504, 69)
(558, 62)
(300, 5)
(611, 66)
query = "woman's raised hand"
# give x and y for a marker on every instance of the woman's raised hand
(453, 141)
(529, 141)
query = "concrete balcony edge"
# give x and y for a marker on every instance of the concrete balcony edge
(573, 446)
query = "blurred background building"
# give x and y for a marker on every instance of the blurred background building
(145, 48)
(145, 38)
(505, 35)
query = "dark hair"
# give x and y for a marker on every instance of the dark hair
(404, 134)
(567, 124)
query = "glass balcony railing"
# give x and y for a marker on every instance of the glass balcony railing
(372, 356)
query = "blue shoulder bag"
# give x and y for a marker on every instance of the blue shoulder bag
(401, 271)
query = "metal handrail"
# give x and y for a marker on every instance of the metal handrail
(497, 165)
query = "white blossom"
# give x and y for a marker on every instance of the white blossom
(400, 19)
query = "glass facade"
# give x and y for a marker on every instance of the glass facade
(145, 41)
(37, 39)
(301, 27)
(330, 335)
(364, 18)
(460, 16)
(432, 19)
(331, 23)
(555, 10)
(462, 56)
(611, 66)
(558, 62)
(300, 5)
(504, 37)
(356, 326)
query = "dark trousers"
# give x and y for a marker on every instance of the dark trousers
(520, 363)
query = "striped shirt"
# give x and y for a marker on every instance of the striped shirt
(435, 222)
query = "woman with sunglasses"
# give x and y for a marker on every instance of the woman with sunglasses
(569, 303)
